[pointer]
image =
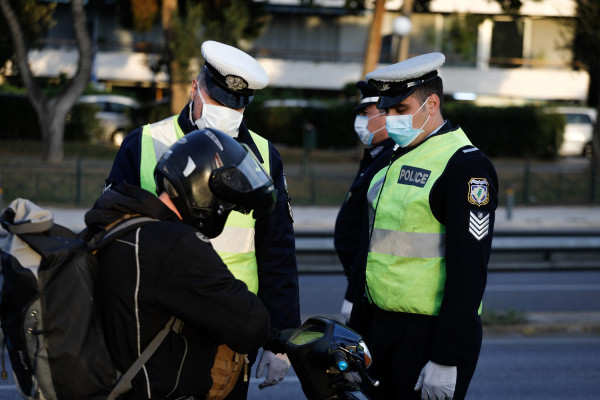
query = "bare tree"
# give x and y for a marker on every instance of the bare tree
(51, 111)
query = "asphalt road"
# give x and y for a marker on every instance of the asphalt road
(538, 368)
(557, 368)
(539, 291)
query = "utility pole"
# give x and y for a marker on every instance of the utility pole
(373, 48)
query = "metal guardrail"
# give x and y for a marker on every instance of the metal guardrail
(511, 251)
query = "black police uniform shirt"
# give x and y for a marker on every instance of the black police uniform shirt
(351, 225)
(467, 250)
(274, 233)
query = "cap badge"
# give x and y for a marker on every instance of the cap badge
(236, 83)
(381, 86)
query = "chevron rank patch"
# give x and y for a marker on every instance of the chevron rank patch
(478, 191)
(479, 224)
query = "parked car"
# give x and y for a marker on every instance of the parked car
(579, 127)
(116, 115)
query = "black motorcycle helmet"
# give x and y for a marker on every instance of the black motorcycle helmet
(207, 174)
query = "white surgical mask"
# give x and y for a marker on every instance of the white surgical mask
(400, 127)
(360, 127)
(222, 118)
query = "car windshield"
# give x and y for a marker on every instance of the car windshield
(578, 118)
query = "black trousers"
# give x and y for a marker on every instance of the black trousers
(240, 390)
(401, 345)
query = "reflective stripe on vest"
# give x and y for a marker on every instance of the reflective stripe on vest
(406, 265)
(235, 245)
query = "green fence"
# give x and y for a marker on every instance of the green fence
(79, 183)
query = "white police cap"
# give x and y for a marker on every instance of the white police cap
(231, 75)
(398, 81)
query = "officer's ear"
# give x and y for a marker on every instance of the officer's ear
(433, 104)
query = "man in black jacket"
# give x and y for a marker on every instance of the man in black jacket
(168, 267)
(352, 225)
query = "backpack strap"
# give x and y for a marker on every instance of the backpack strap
(100, 239)
(124, 384)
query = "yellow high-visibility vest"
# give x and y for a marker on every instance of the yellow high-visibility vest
(406, 267)
(235, 245)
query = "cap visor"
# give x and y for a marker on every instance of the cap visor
(228, 99)
(386, 101)
(361, 107)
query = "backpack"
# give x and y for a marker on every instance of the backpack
(52, 326)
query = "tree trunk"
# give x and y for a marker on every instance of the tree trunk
(169, 8)
(51, 112)
(180, 96)
(373, 49)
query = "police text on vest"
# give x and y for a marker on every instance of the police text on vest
(413, 176)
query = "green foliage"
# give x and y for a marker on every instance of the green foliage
(81, 123)
(139, 15)
(508, 131)
(510, 6)
(35, 18)
(461, 36)
(498, 131)
(585, 44)
(230, 22)
(151, 113)
(18, 119)
(334, 124)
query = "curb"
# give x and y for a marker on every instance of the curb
(565, 324)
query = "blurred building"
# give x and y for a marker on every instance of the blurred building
(319, 44)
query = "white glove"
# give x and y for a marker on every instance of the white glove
(277, 365)
(436, 381)
(346, 310)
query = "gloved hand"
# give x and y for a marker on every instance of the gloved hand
(436, 382)
(353, 377)
(277, 365)
(346, 310)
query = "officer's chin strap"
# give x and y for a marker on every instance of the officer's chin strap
(190, 108)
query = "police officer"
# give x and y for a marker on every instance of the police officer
(167, 267)
(258, 249)
(432, 218)
(351, 224)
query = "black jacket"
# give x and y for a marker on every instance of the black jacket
(352, 222)
(162, 269)
(274, 233)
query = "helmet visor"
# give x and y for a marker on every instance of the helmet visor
(247, 185)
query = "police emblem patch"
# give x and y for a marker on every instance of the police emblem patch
(479, 224)
(478, 191)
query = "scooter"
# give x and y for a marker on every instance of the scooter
(328, 358)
